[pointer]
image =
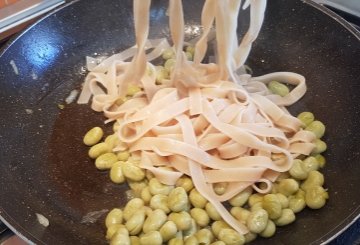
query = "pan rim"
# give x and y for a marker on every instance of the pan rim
(330, 236)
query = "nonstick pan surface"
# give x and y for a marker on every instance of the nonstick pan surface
(44, 166)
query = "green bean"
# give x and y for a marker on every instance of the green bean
(98, 149)
(131, 207)
(241, 198)
(310, 164)
(176, 241)
(212, 212)
(204, 236)
(181, 219)
(123, 156)
(288, 187)
(151, 238)
(200, 216)
(320, 147)
(178, 200)
(269, 230)
(115, 216)
(93, 136)
(185, 182)
(159, 201)
(315, 197)
(132, 89)
(217, 226)
(320, 159)
(220, 188)
(135, 223)
(116, 174)
(240, 214)
(133, 172)
(121, 237)
(283, 200)
(306, 118)
(191, 240)
(317, 127)
(158, 188)
(196, 199)
(272, 206)
(105, 161)
(297, 171)
(257, 220)
(134, 240)
(287, 217)
(315, 179)
(278, 88)
(296, 204)
(230, 236)
(168, 230)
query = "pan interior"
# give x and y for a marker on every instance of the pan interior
(44, 165)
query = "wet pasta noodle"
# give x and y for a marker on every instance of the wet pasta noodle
(206, 121)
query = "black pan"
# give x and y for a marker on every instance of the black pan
(44, 165)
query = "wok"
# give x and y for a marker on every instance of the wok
(44, 165)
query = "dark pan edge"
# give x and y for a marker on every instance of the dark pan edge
(13, 39)
(16, 231)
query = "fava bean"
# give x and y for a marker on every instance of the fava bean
(200, 216)
(241, 198)
(212, 212)
(240, 214)
(254, 198)
(310, 164)
(159, 201)
(320, 147)
(93, 136)
(257, 220)
(249, 237)
(131, 207)
(176, 241)
(297, 171)
(132, 89)
(191, 240)
(116, 174)
(154, 221)
(135, 223)
(151, 238)
(317, 127)
(283, 200)
(181, 219)
(185, 182)
(272, 206)
(115, 216)
(287, 217)
(315, 197)
(217, 226)
(112, 229)
(112, 141)
(192, 230)
(288, 187)
(98, 149)
(168, 54)
(269, 230)
(218, 243)
(321, 160)
(137, 186)
(134, 240)
(121, 237)
(220, 188)
(196, 199)
(123, 156)
(296, 204)
(204, 236)
(178, 200)
(133, 172)
(158, 188)
(105, 161)
(306, 118)
(146, 195)
(230, 236)
(169, 65)
(278, 88)
(168, 231)
(315, 178)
